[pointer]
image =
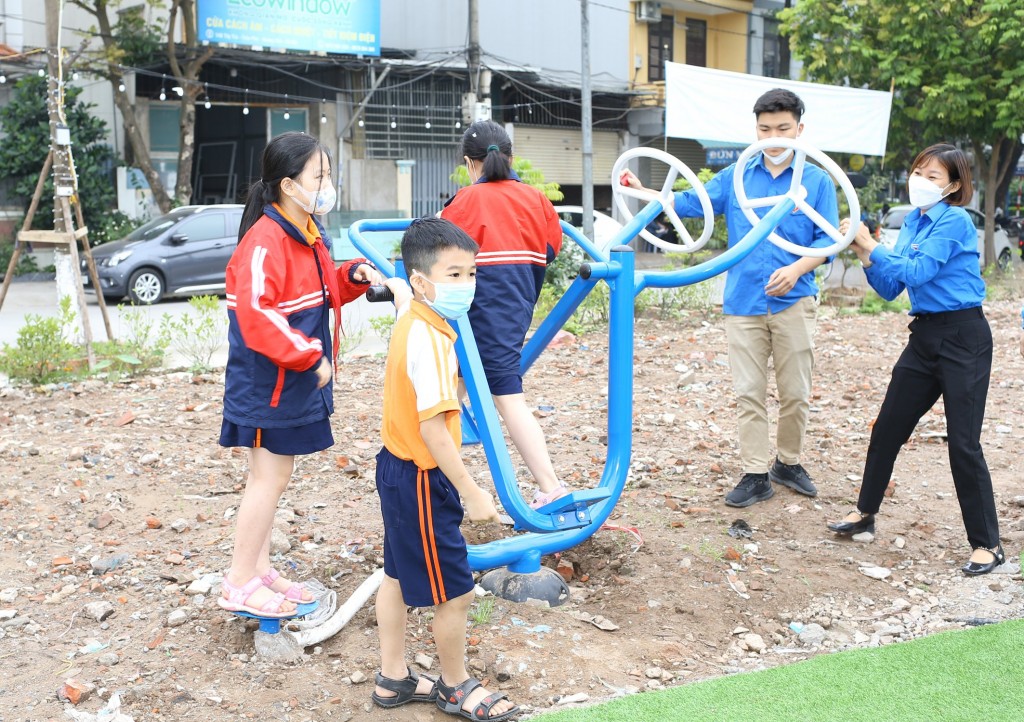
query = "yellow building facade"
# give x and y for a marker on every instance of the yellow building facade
(706, 33)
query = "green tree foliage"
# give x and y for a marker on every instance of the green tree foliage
(526, 172)
(956, 67)
(26, 128)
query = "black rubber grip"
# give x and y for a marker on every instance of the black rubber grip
(377, 294)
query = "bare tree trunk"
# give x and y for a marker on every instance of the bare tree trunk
(187, 74)
(140, 147)
(138, 144)
(186, 150)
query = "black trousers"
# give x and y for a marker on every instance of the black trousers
(948, 355)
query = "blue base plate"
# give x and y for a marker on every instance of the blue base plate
(272, 625)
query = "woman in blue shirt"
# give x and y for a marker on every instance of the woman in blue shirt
(949, 353)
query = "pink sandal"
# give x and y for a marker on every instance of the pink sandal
(293, 593)
(234, 599)
(541, 498)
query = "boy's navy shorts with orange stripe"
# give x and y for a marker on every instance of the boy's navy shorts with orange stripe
(423, 545)
(293, 441)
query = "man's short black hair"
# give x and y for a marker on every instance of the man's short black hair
(424, 240)
(780, 100)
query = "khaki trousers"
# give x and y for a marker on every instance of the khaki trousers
(787, 338)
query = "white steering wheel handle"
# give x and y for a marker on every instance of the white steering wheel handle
(798, 194)
(666, 197)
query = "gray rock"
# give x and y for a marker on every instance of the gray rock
(279, 543)
(424, 660)
(574, 698)
(108, 659)
(199, 586)
(8, 595)
(753, 643)
(876, 572)
(863, 537)
(149, 459)
(812, 635)
(653, 673)
(357, 677)
(179, 525)
(103, 565)
(177, 618)
(99, 610)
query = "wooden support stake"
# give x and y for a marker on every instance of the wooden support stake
(33, 206)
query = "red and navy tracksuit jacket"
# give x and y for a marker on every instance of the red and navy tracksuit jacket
(280, 289)
(518, 232)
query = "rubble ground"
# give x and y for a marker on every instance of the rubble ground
(117, 506)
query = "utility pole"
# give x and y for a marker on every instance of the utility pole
(68, 274)
(587, 123)
(474, 49)
(477, 102)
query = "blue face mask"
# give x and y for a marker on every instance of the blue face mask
(451, 300)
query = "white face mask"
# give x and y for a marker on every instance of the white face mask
(321, 203)
(923, 193)
(780, 158)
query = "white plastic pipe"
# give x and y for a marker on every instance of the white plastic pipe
(346, 611)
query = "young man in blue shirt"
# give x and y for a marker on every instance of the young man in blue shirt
(770, 302)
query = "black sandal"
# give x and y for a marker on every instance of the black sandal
(404, 689)
(451, 699)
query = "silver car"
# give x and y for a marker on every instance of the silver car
(183, 253)
(889, 230)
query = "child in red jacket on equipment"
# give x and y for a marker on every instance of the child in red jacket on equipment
(281, 288)
(518, 231)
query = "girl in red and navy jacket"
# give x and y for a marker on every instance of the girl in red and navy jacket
(518, 232)
(282, 287)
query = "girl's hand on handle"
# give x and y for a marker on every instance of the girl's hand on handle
(365, 273)
(323, 373)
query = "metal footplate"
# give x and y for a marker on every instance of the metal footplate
(573, 510)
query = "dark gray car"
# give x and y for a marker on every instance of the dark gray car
(182, 253)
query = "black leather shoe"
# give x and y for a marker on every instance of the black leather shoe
(794, 476)
(865, 523)
(974, 569)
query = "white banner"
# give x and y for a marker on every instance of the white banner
(718, 105)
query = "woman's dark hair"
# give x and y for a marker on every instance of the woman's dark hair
(487, 141)
(284, 157)
(957, 166)
(424, 240)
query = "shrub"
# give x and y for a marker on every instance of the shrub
(42, 354)
(198, 333)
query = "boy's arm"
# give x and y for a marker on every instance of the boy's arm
(479, 504)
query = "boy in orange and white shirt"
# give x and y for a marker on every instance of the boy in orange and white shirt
(420, 477)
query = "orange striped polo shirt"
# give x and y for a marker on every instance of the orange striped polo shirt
(420, 381)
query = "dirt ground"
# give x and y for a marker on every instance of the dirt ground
(120, 494)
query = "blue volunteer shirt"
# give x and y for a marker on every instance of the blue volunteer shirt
(745, 282)
(935, 259)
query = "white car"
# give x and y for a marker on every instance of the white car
(889, 230)
(606, 228)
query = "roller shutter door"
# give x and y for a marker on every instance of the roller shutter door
(652, 173)
(558, 153)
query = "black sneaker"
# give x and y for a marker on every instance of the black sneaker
(751, 489)
(794, 476)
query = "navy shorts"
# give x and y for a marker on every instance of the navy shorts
(291, 441)
(423, 546)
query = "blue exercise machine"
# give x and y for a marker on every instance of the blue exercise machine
(573, 518)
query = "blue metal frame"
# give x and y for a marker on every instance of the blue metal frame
(583, 513)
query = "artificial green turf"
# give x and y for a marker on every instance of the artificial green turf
(975, 675)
